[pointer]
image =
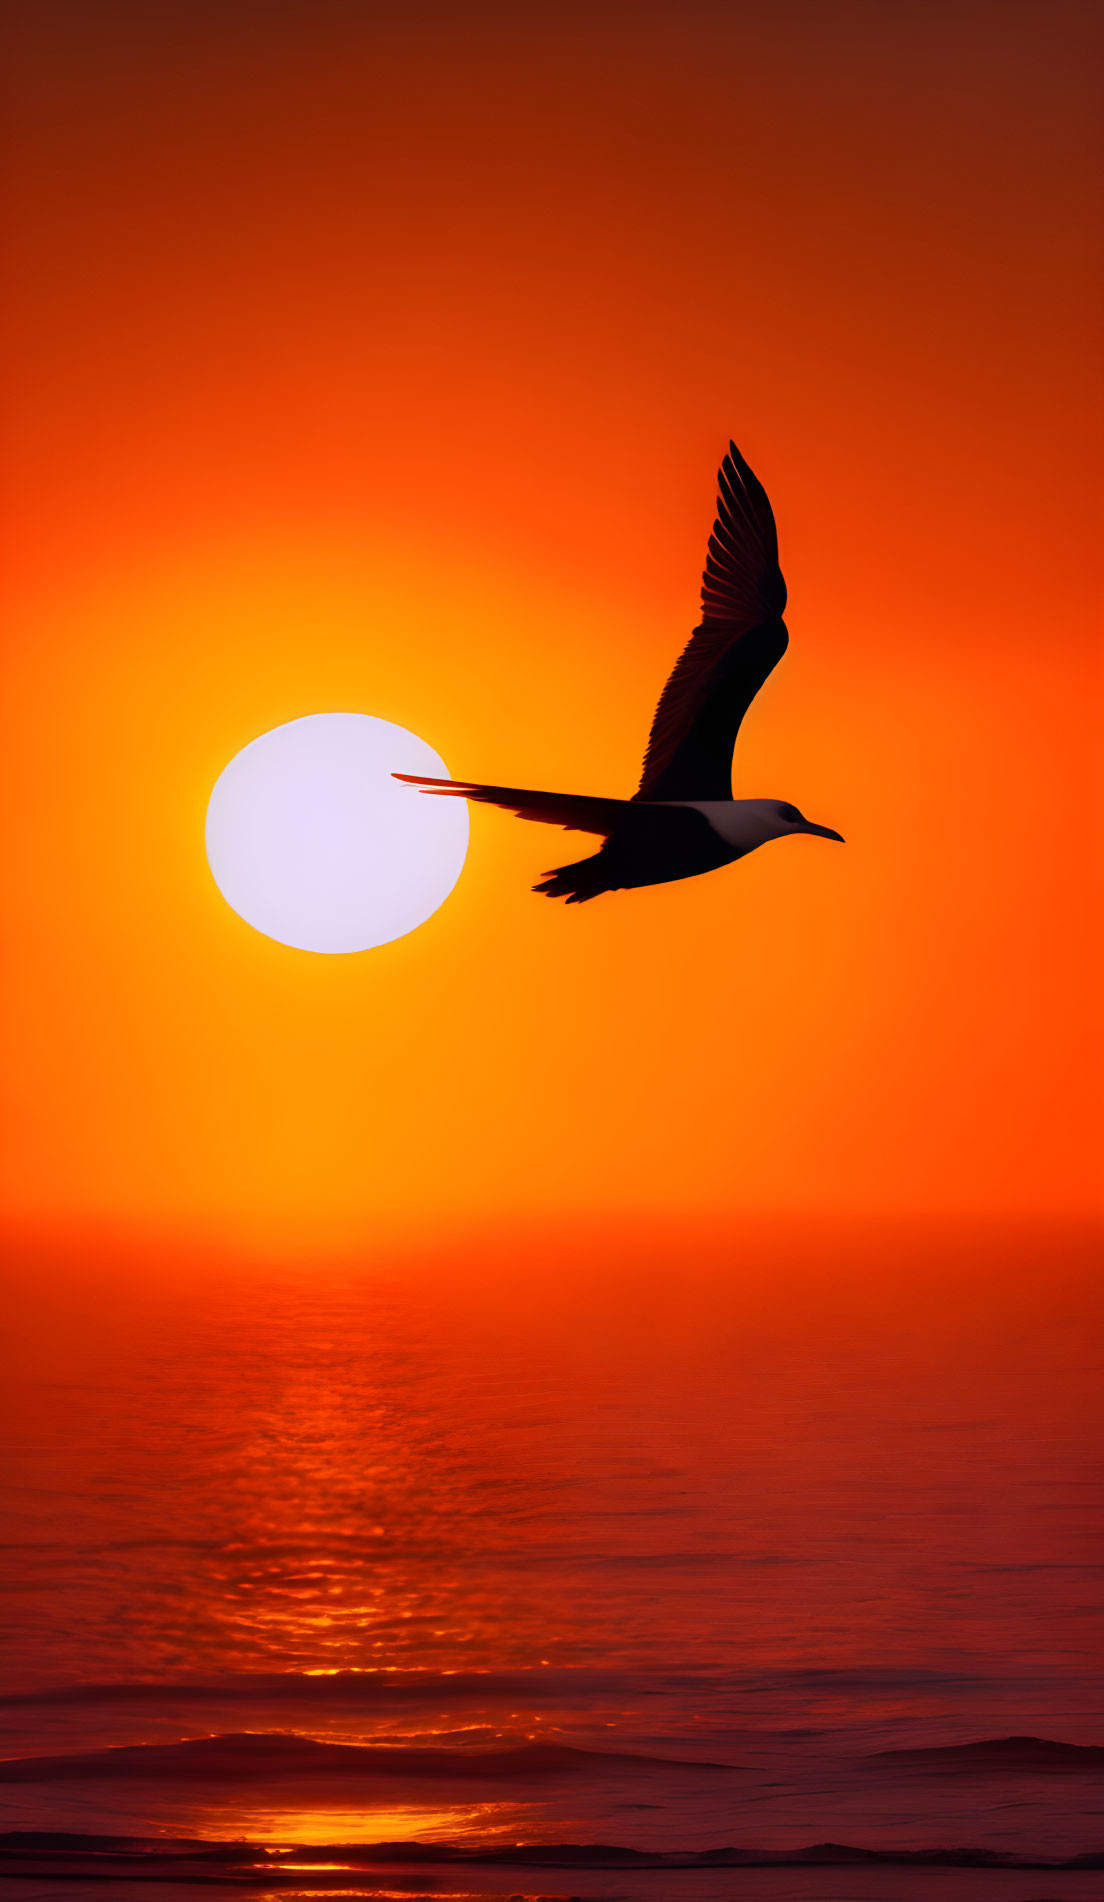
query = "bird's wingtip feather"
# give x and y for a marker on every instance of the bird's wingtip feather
(426, 784)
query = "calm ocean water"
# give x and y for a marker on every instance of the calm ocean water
(648, 1546)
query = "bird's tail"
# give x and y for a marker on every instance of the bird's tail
(587, 878)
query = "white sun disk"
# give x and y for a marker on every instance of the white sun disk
(312, 842)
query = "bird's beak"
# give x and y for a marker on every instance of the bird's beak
(825, 832)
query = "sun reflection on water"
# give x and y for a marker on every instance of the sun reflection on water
(286, 1828)
(347, 1536)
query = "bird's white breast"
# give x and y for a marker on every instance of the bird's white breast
(741, 823)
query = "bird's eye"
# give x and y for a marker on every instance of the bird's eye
(791, 813)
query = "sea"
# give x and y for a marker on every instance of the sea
(759, 1562)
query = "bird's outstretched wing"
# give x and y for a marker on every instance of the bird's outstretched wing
(728, 657)
(573, 811)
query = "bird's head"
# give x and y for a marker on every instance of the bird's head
(784, 819)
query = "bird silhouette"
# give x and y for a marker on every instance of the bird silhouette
(683, 820)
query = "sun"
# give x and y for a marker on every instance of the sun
(313, 843)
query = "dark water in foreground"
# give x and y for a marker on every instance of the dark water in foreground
(772, 1885)
(565, 1547)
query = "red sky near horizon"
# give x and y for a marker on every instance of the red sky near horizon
(381, 358)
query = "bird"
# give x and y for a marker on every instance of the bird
(682, 820)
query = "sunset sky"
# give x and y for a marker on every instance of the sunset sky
(380, 358)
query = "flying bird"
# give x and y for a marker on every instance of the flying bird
(683, 820)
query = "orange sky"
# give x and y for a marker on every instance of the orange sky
(381, 359)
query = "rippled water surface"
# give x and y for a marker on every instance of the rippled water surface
(754, 1512)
